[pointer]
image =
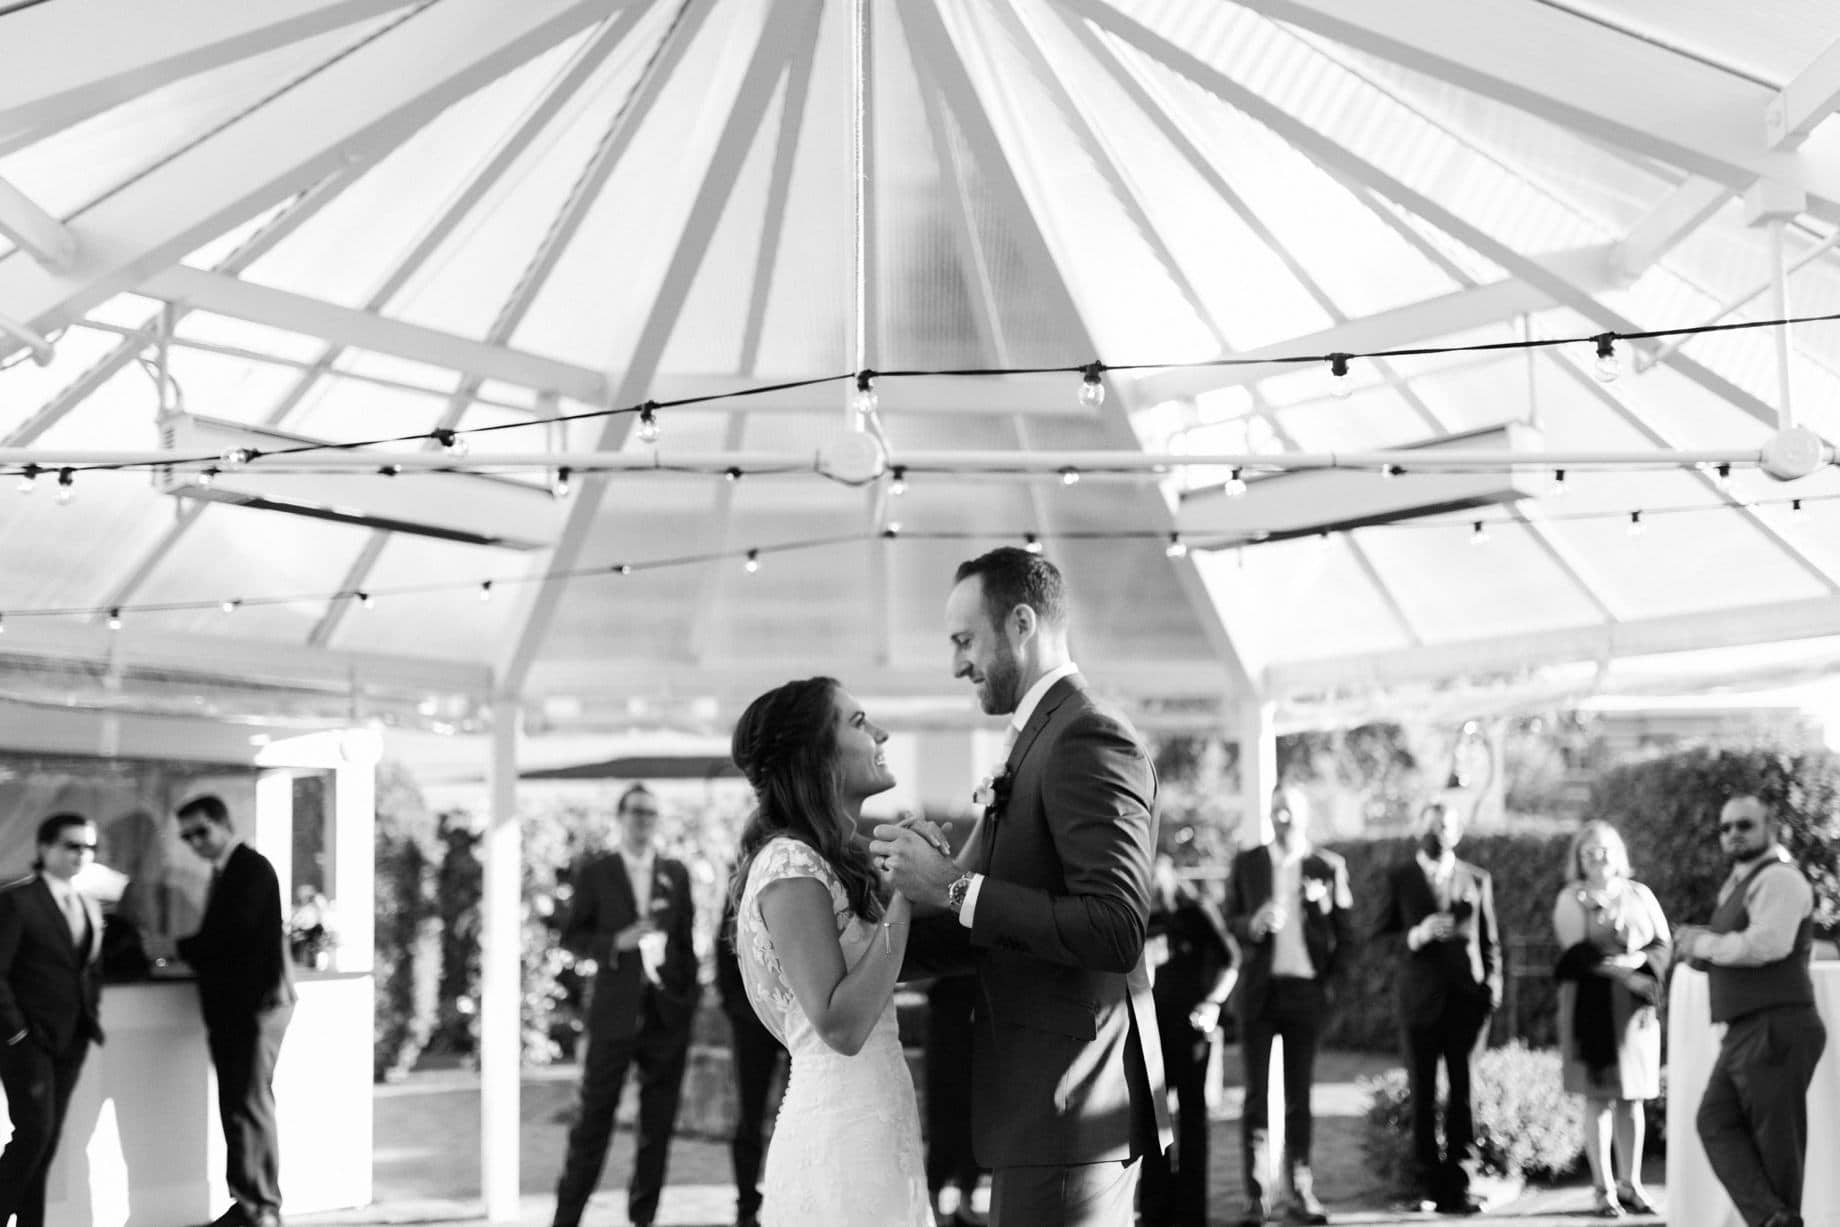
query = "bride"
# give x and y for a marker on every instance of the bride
(819, 952)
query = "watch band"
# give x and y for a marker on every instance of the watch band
(956, 890)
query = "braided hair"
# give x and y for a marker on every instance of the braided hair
(786, 746)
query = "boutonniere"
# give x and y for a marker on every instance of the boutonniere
(992, 792)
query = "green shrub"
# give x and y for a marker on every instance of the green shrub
(1526, 1124)
(406, 951)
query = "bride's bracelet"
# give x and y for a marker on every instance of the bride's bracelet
(888, 942)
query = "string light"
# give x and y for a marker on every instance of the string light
(205, 478)
(1608, 367)
(1092, 385)
(624, 568)
(364, 600)
(485, 591)
(1722, 475)
(115, 618)
(67, 485)
(237, 457)
(1070, 476)
(232, 605)
(451, 441)
(893, 529)
(648, 422)
(752, 564)
(1176, 548)
(1391, 471)
(28, 479)
(1478, 533)
(1031, 543)
(1796, 515)
(1558, 482)
(733, 473)
(865, 399)
(897, 481)
(1322, 542)
(1635, 524)
(1338, 367)
(559, 485)
(1236, 483)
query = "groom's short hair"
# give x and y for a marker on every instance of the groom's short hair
(1012, 577)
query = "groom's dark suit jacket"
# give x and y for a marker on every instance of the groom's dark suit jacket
(1067, 1066)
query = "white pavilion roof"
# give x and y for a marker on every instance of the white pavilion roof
(365, 220)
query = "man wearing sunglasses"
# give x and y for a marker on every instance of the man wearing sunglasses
(50, 991)
(1753, 1120)
(247, 998)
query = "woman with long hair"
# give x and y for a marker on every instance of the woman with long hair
(1613, 942)
(820, 949)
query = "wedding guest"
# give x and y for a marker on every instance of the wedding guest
(1613, 942)
(1753, 1119)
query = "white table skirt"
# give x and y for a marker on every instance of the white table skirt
(1695, 1198)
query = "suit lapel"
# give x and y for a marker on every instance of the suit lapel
(1057, 694)
(52, 917)
(621, 888)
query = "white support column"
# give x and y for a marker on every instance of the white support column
(1258, 768)
(354, 849)
(500, 976)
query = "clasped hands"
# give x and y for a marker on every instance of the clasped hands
(914, 858)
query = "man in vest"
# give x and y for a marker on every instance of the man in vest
(1753, 1119)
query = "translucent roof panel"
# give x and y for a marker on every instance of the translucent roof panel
(536, 222)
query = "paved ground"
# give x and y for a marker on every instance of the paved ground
(427, 1168)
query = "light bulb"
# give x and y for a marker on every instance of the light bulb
(1390, 471)
(1339, 384)
(648, 422)
(733, 474)
(1092, 385)
(452, 441)
(1721, 475)
(559, 484)
(1635, 524)
(1608, 367)
(1175, 548)
(753, 562)
(364, 600)
(67, 485)
(1070, 476)
(205, 478)
(1236, 483)
(28, 479)
(897, 481)
(1478, 534)
(231, 606)
(893, 529)
(115, 618)
(235, 457)
(485, 591)
(1558, 482)
(865, 400)
(1031, 543)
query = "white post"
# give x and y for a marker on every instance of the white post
(354, 850)
(1258, 769)
(500, 977)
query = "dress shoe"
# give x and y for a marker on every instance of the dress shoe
(235, 1216)
(1606, 1204)
(747, 1220)
(1460, 1206)
(1253, 1215)
(1634, 1200)
(1307, 1213)
(267, 1218)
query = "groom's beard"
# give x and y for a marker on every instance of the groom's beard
(1002, 686)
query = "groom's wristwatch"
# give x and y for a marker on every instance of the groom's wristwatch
(956, 890)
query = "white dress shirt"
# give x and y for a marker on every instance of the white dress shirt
(1018, 721)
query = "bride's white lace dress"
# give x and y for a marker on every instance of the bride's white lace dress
(846, 1144)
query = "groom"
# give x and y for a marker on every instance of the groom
(1048, 903)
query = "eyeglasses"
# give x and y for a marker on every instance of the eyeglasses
(71, 845)
(195, 834)
(1726, 828)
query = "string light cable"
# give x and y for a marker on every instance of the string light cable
(1176, 545)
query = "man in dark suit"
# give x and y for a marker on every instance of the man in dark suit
(754, 1055)
(50, 994)
(1049, 902)
(630, 912)
(247, 997)
(1289, 905)
(1442, 911)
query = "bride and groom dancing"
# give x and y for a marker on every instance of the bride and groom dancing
(1047, 903)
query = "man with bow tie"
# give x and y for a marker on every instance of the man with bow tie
(1289, 905)
(1049, 903)
(50, 993)
(630, 913)
(1442, 912)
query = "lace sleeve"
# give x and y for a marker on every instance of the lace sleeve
(793, 858)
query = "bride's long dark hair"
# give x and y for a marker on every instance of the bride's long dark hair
(786, 745)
